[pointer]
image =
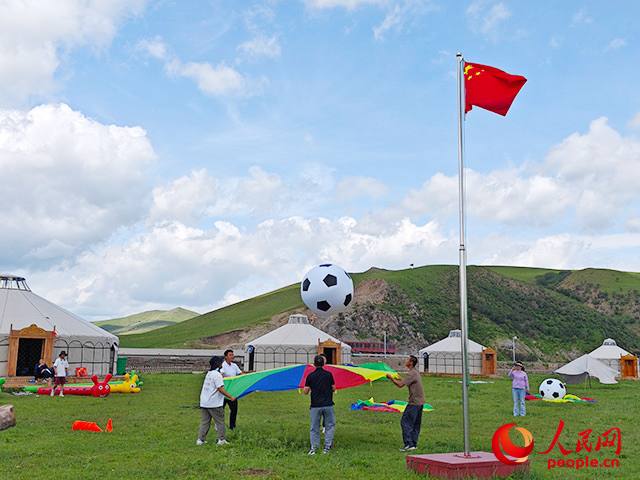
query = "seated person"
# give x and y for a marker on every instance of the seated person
(43, 372)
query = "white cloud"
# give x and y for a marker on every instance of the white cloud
(588, 176)
(596, 171)
(176, 265)
(634, 123)
(351, 187)
(261, 46)
(348, 4)
(214, 80)
(34, 36)
(392, 19)
(486, 16)
(398, 12)
(155, 48)
(78, 201)
(615, 44)
(184, 199)
(559, 251)
(67, 181)
(581, 17)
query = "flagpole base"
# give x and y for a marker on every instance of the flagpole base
(459, 465)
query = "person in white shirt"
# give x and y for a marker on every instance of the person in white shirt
(230, 369)
(60, 369)
(212, 403)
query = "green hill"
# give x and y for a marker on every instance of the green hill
(554, 313)
(146, 321)
(237, 316)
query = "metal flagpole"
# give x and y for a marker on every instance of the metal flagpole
(463, 267)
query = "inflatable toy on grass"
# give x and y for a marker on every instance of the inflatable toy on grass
(91, 426)
(133, 386)
(395, 406)
(568, 398)
(130, 385)
(326, 289)
(2, 380)
(552, 389)
(98, 389)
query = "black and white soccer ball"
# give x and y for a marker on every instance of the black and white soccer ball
(552, 389)
(327, 289)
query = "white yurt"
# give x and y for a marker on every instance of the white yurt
(296, 342)
(32, 328)
(445, 356)
(584, 367)
(610, 354)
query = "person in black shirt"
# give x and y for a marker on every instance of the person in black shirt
(321, 385)
(43, 372)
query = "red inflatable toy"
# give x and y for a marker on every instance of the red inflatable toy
(98, 389)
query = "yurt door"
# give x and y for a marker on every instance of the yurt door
(30, 351)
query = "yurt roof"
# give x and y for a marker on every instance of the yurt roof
(20, 308)
(297, 332)
(581, 368)
(453, 343)
(609, 350)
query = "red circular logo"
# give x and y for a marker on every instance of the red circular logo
(501, 441)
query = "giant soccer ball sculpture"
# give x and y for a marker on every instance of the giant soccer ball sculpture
(552, 389)
(327, 289)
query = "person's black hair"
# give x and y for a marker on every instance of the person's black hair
(318, 361)
(413, 359)
(215, 362)
(227, 352)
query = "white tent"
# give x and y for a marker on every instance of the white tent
(609, 353)
(580, 369)
(295, 342)
(86, 344)
(445, 356)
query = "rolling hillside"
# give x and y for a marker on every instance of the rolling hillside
(146, 321)
(555, 314)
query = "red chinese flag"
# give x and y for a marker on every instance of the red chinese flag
(489, 88)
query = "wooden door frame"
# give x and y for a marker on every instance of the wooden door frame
(33, 332)
(331, 344)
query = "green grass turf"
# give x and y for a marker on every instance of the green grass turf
(155, 431)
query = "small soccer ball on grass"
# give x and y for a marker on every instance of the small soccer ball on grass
(552, 389)
(326, 289)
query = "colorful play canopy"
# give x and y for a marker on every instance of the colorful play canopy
(294, 376)
(396, 406)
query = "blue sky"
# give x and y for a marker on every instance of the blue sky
(156, 154)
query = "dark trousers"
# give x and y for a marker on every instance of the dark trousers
(233, 412)
(411, 422)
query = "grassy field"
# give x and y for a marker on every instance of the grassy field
(155, 431)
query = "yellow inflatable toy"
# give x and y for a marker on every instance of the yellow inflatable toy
(130, 385)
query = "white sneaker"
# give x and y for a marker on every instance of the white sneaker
(223, 442)
(200, 442)
(311, 452)
(61, 394)
(52, 392)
